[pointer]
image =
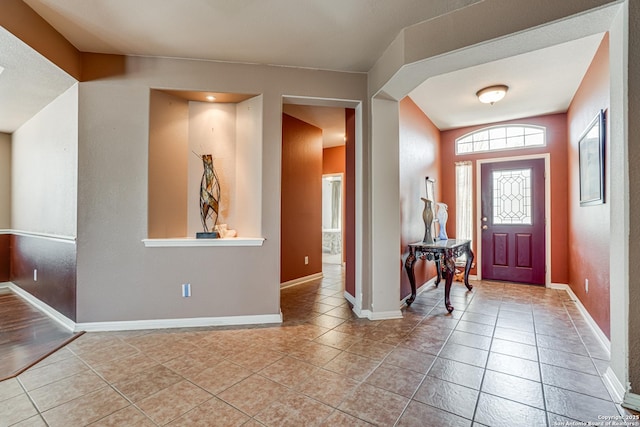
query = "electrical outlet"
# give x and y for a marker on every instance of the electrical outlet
(35, 274)
(306, 260)
(186, 290)
(586, 285)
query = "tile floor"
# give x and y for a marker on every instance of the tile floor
(509, 355)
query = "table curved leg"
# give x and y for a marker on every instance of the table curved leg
(467, 268)
(438, 271)
(450, 266)
(408, 266)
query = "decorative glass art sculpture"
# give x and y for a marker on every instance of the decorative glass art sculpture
(209, 198)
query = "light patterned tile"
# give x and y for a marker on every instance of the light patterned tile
(129, 416)
(10, 388)
(253, 394)
(39, 376)
(59, 392)
(374, 405)
(213, 413)
(294, 410)
(220, 377)
(85, 409)
(173, 402)
(15, 409)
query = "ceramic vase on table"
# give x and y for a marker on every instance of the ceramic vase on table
(442, 216)
(427, 217)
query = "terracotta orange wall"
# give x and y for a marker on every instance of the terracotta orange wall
(301, 216)
(589, 225)
(556, 125)
(419, 158)
(333, 161)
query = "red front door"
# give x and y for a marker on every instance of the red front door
(513, 221)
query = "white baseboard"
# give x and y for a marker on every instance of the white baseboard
(631, 401)
(300, 280)
(613, 384)
(350, 298)
(179, 323)
(602, 338)
(141, 324)
(382, 315)
(43, 307)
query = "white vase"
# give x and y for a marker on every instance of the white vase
(442, 216)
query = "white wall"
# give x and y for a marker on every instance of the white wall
(5, 181)
(44, 169)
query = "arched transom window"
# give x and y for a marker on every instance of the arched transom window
(497, 138)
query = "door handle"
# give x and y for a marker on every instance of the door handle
(485, 227)
(484, 219)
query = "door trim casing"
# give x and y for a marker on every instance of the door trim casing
(547, 209)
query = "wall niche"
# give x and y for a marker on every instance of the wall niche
(186, 124)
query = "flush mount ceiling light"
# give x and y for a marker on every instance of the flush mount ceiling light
(211, 98)
(492, 94)
(1, 69)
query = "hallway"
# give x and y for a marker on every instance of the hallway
(508, 355)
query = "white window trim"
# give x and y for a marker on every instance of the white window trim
(485, 129)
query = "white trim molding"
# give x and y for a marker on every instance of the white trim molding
(614, 386)
(132, 325)
(351, 299)
(382, 315)
(602, 338)
(301, 280)
(43, 307)
(141, 324)
(47, 236)
(193, 242)
(631, 401)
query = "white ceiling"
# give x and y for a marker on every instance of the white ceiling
(323, 34)
(28, 83)
(540, 82)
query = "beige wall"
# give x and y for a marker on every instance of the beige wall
(212, 130)
(168, 140)
(121, 279)
(44, 169)
(5, 181)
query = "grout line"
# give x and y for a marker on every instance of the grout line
(32, 402)
(544, 398)
(484, 371)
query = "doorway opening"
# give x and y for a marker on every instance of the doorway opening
(514, 225)
(321, 138)
(332, 219)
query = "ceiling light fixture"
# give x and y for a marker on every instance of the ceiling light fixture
(492, 94)
(211, 98)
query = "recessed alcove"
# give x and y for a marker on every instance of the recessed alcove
(184, 125)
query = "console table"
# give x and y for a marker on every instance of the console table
(444, 253)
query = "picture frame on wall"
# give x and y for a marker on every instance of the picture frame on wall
(591, 162)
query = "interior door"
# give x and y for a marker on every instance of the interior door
(513, 221)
